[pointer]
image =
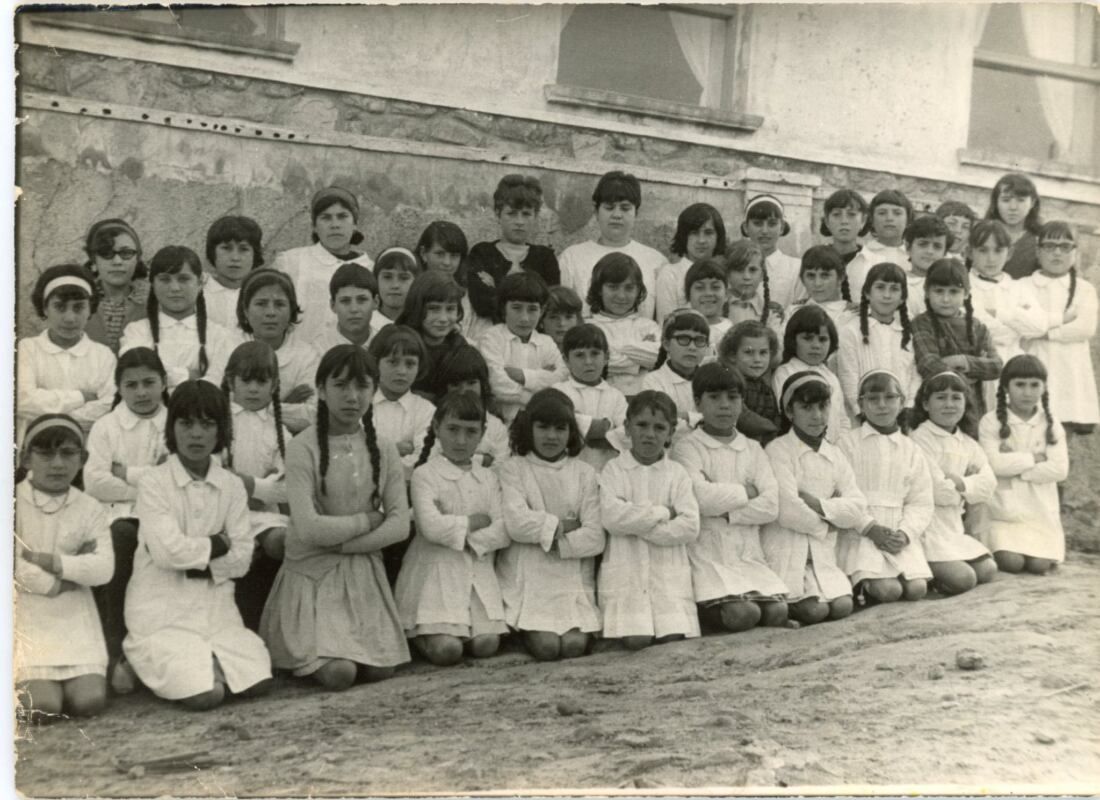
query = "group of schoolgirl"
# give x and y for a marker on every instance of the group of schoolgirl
(195, 482)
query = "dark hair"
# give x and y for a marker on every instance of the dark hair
(808, 319)
(429, 287)
(550, 407)
(748, 329)
(811, 393)
(987, 229)
(199, 400)
(1023, 366)
(260, 279)
(334, 196)
(887, 272)
(523, 287)
(844, 198)
(692, 219)
(563, 300)
(928, 226)
(956, 208)
(763, 210)
(518, 191)
(951, 272)
(465, 406)
(739, 256)
(135, 358)
(1061, 230)
(616, 186)
(614, 268)
(938, 383)
(707, 268)
(880, 382)
(64, 293)
(659, 403)
(236, 229)
(400, 340)
(256, 361)
(465, 363)
(396, 259)
(682, 319)
(49, 438)
(101, 237)
(1021, 185)
(360, 368)
(825, 257)
(354, 275)
(889, 197)
(448, 236)
(584, 336)
(716, 377)
(172, 259)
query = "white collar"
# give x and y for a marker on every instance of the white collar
(25, 492)
(128, 420)
(181, 477)
(264, 413)
(628, 462)
(601, 386)
(1045, 280)
(405, 400)
(78, 350)
(738, 442)
(190, 321)
(450, 471)
(866, 430)
(542, 463)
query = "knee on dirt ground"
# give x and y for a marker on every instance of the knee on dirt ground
(915, 589)
(337, 675)
(809, 611)
(739, 615)
(883, 590)
(954, 577)
(483, 646)
(1039, 566)
(1012, 563)
(773, 615)
(543, 645)
(440, 649)
(840, 607)
(206, 701)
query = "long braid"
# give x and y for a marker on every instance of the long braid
(426, 449)
(1051, 437)
(152, 313)
(375, 456)
(1002, 411)
(322, 439)
(969, 306)
(200, 318)
(767, 294)
(228, 436)
(845, 289)
(1072, 286)
(117, 400)
(277, 407)
(662, 357)
(864, 327)
(906, 326)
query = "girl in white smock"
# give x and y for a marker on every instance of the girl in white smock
(615, 296)
(685, 341)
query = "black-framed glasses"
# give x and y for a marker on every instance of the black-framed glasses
(1061, 247)
(126, 253)
(687, 339)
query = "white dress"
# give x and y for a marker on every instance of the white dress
(493, 447)
(221, 304)
(634, 342)
(727, 561)
(178, 624)
(946, 539)
(645, 577)
(883, 350)
(311, 268)
(179, 346)
(539, 358)
(52, 380)
(800, 546)
(447, 583)
(1025, 516)
(894, 476)
(58, 636)
(1010, 311)
(664, 379)
(1065, 350)
(123, 437)
(256, 453)
(784, 287)
(578, 261)
(406, 419)
(547, 577)
(670, 287)
(839, 423)
(602, 401)
(871, 253)
(914, 302)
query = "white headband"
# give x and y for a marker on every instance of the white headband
(402, 250)
(765, 198)
(66, 280)
(52, 422)
(798, 382)
(872, 372)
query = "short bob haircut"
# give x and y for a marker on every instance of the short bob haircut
(236, 229)
(67, 292)
(844, 198)
(986, 229)
(522, 287)
(704, 270)
(614, 268)
(808, 319)
(656, 401)
(518, 192)
(583, 337)
(563, 300)
(136, 358)
(927, 227)
(749, 329)
(396, 260)
(260, 279)
(616, 186)
(812, 393)
(822, 257)
(716, 377)
(465, 363)
(956, 208)
(889, 197)
(354, 275)
(399, 340)
(445, 234)
(429, 287)
(944, 381)
(549, 407)
(199, 400)
(692, 219)
(763, 208)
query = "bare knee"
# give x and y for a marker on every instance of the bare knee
(207, 700)
(543, 645)
(440, 649)
(954, 577)
(337, 675)
(809, 611)
(574, 644)
(483, 646)
(1039, 566)
(739, 615)
(840, 607)
(985, 568)
(259, 689)
(85, 696)
(637, 642)
(369, 674)
(883, 590)
(915, 589)
(1007, 561)
(773, 615)
(273, 542)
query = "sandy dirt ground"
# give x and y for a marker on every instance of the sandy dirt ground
(875, 699)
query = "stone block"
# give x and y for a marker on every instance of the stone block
(451, 131)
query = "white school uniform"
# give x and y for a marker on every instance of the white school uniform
(800, 546)
(59, 637)
(634, 342)
(311, 268)
(221, 304)
(838, 417)
(539, 358)
(914, 302)
(1025, 515)
(753, 308)
(472, 326)
(883, 350)
(670, 287)
(548, 578)
(602, 401)
(179, 346)
(871, 253)
(256, 453)
(579, 260)
(494, 443)
(1065, 350)
(298, 362)
(447, 582)
(122, 437)
(406, 419)
(717, 331)
(52, 379)
(946, 539)
(1010, 312)
(664, 379)
(645, 576)
(177, 625)
(839, 311)
(727, 560)
(895, 478)
(330, 337)
(784, 285)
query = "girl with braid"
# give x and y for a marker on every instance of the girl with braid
(448, 591)
(1027, 450)
(176, 328)
(750, 296)
(947, 337)
(825, 280)
(1071, 310)
(880, 338)
(257, 458)
(330, 614)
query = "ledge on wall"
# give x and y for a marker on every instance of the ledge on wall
(578, 97)
(1059, 170)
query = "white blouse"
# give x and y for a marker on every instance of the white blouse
(52, 380)
(179, 346)
(221, 303)
(678, 388)
(256, 453)
(838, 417)
(578, 261)
(122, 437)
(883, 350)
(311, 268)
(634, 342)
(406, 419)
(539, 358)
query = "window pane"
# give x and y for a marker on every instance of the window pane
(629, 50)
(237, 20)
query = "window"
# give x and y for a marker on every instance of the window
(1036, 84)
(671, 61)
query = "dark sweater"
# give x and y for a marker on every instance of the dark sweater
(486, 267)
